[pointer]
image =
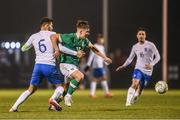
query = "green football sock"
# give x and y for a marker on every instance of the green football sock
(61, 98)
(64, 93)
(73, 86)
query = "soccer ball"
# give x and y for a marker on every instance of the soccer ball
(161, 87)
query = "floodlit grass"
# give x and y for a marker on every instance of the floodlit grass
(150, 105)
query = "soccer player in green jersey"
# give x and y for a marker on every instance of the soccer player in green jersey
(68, 63)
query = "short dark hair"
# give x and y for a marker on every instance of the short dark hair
(82, 24)
(141, 29)
(45, 20)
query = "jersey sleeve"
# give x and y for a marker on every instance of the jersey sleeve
(87, 43)
(66, 50)
(29, 41)
(90, 59)
(28, 44)
(130, 58)
(65, 38)
(156, 54)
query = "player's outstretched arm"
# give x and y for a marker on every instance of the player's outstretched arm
(25, 48)
(128, 61)
(54, 40)
(90, 59)
(28, 44)
(96, 51)
(66, 50)
(58, 47)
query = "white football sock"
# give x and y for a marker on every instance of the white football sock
(136, 93)
(57, 93)
(93, 88)
(130, 94)
(21, 99)
(105, 87)
(68, 95)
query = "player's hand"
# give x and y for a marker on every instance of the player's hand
(119, 68)
(108, 60)
(80, 54)
(56, 53)
(148, 67)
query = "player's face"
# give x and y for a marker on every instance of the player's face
(101, 41)
(84, 33)
(141, 36)
(50, 26)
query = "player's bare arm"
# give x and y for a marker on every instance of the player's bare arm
(96, 51)
(54, 40)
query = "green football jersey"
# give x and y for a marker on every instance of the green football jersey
(72, 42)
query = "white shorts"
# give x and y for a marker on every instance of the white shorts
(67, 69)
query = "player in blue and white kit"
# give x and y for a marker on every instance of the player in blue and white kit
(45, 64)
(147, 56)
(99, 70)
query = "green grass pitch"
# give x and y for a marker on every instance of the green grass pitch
(150, 105)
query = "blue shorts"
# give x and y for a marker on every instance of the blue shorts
(50, 72)
(99, 72)
(139, 75)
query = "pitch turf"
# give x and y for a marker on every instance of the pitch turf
(150, 105)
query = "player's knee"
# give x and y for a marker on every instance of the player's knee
(104, 78)
(32, 89)
(80, 77)
(94, 79)
(135, 85)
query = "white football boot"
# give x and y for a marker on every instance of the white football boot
(68, 100)
(13, 110)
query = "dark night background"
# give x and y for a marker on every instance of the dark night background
(19, 19)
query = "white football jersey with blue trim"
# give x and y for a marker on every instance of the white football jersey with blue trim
(43, 47)
(146, 53)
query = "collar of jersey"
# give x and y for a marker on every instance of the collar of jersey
(77, 37)
(43, 30)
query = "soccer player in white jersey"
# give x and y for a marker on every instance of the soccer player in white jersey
(45, 64)
(99, 70)
(147, 56)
